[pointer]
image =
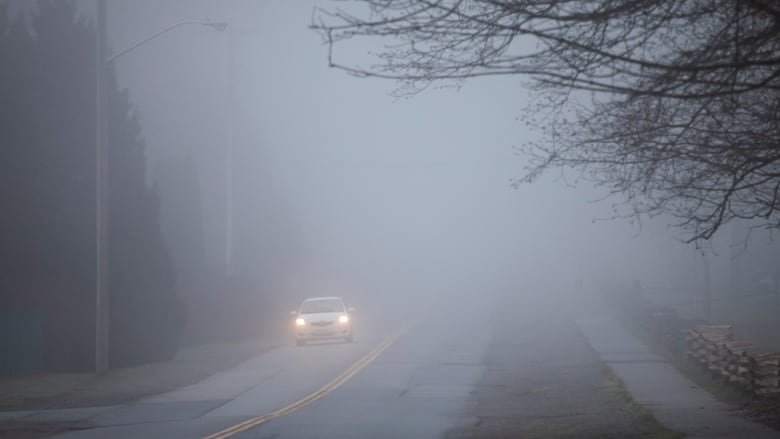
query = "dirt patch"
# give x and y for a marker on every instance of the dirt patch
(766, 411)
(543, 380)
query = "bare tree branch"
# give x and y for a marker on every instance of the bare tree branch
(686, 93)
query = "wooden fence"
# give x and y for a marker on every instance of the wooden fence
(736, 362)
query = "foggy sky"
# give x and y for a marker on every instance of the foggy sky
(384, 191)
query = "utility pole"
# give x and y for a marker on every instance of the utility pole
(101, 201)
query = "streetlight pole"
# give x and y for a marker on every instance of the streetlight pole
(103, 61)
(101, 190)
(229, 164)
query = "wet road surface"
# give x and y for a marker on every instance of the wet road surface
(406, 375)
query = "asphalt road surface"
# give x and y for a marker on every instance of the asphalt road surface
(409, 373)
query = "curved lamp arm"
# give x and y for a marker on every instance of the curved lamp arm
(216, 25)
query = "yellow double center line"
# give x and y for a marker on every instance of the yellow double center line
(324, 390)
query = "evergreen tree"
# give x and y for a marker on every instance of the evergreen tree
(182, 219)
(47, 196)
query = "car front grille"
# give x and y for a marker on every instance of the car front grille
(322, 323)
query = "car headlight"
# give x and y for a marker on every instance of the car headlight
(300, 322)
(343, 319)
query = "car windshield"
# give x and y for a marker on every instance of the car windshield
(322, 305)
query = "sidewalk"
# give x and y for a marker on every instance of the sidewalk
(543, 380)
(561, 366)
(654, 383)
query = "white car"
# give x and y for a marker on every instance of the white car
(323, 318)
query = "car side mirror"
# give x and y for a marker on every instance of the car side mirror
(351, 309)
(293, 313)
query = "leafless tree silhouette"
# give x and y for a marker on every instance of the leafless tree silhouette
(673, 105)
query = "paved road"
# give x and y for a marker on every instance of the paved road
(407, 376)
(524, 369)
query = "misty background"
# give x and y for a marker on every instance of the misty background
(368, 186)
(338, 188)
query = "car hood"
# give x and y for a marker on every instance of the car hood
(321, 316)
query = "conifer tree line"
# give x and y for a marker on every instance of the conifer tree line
(47, 192)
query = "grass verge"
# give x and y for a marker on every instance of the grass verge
(67, 390)
(702, 378)
(647, 427)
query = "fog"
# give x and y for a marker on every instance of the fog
(245, 176)
(273, 178)
(380, 193)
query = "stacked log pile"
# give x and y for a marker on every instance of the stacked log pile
(738, 363)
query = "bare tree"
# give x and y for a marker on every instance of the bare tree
(671, 104)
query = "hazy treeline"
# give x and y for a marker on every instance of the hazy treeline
(48, 198)
(167, 287)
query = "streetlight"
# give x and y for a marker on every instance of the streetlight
(103, 61)
(216, 25)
